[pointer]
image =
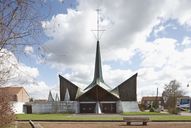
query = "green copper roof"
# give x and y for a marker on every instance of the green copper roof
(98, 77)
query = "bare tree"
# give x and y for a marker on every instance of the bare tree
(171, 92)
(19, 20)
(6, 112)
(20, 25)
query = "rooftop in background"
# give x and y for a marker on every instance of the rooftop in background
(184, 97)
(18, 94)
(151, 98)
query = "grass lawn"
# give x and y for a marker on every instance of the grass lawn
(153, 116)
(171, 118)
(65, 117)
(144, 113)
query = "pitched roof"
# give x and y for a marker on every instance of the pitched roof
(151, 98)
(50, 98)
(40, 101)
(11, 90)
(184, 97)
(89, 91)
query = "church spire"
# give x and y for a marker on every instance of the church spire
(98, 67)
(50, 98)
(98, 77)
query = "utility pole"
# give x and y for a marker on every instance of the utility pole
(156, 101)
(189, 98)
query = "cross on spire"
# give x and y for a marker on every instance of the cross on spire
(98, 77)
(98, 35)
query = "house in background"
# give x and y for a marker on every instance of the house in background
(148, 101)
(18, 97)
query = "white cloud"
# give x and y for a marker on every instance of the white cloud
(163, 62)
(28, 50)
(20, 74)
(61, 1)
(161, 48)
(186, 41)
(71, 33)
(114, 77)
(40, 90)
(127, 24)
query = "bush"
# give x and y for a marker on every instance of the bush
(141, 107)
(152, 109)
(7, 115)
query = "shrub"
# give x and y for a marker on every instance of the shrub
(7, 115)
(152, 109)
(141, 107)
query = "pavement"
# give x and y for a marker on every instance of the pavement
(185, 113)
(115, 125)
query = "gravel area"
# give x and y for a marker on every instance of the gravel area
(115, 125)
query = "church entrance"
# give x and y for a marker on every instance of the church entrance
(87, 107)
(108, 107)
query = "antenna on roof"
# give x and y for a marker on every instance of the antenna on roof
(98, 30)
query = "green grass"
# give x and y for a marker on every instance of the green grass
(170, 118)
(144, 113)
(153, 116)
(64, 117)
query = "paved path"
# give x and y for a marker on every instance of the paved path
(185, 113)
(116, 125)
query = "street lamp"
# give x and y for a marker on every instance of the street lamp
(189, 98)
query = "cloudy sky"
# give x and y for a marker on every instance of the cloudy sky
(148, 37)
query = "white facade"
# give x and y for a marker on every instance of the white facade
(127, 106)
(18, 107)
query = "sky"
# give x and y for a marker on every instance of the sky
(148, 37)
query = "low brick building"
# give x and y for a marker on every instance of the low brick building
(149, 100)
(18, 97)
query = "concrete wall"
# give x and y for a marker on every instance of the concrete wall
(119, 107)
(73, 107)
(55, 107)
(127, 106)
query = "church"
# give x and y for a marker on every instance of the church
(98, 97)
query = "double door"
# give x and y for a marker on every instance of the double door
(91, 107)
(108, 107)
